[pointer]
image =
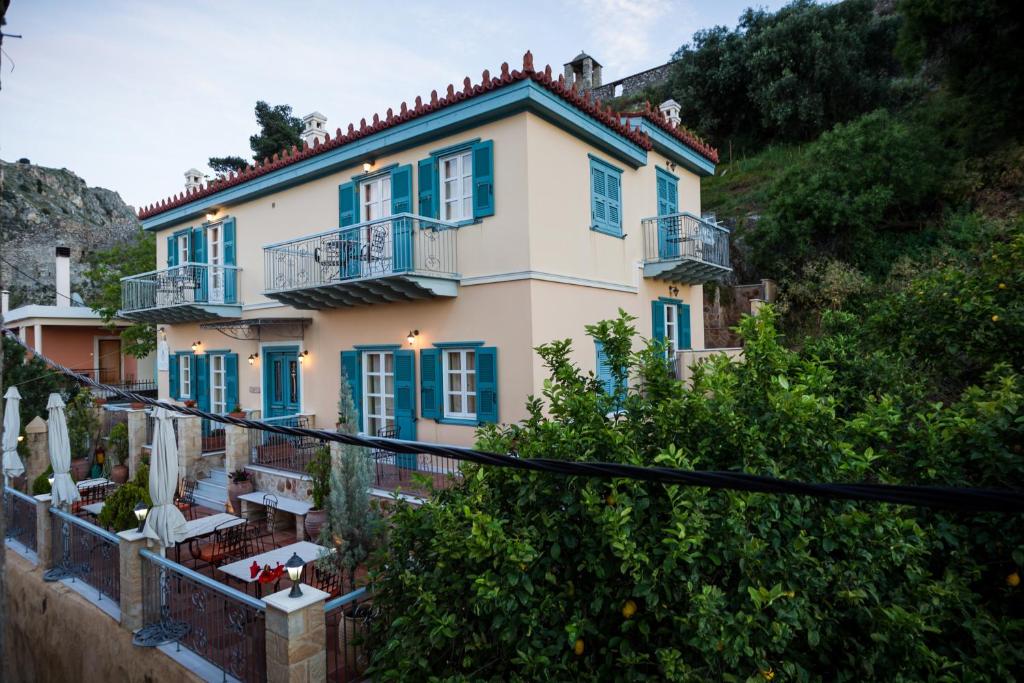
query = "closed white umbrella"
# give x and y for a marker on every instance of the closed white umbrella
(13, 466)
(164, 523)
(64, 490)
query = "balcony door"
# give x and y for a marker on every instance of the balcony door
(281, 381)
(378, 391)
(670, 227)
(375, 239)
(215, 259)
(109, 361)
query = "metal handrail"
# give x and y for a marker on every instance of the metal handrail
(331, 231)
(345, 599)
(181, 265)
(230, 592)
(19, 494)
(91, 528)
(687, 214)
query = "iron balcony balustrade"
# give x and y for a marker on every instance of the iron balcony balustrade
(683, 248)
(403, 257)
(184, 293)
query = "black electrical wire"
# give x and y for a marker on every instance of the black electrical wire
(957, 499)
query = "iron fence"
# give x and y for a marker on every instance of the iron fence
(413, 473)
(280, 451)
(348, 620)
(85, 552)
(222, 625)
(20, 512)
(684, 236)
(181, 285)
(113, 378)
(399, 244)
(214, 436)
(151, 427)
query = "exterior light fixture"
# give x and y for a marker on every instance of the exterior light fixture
(252, 359)
(50, 479)
(367, 166)
(294, 567)
(302, 356)
(140, 514)
(196, 345)
(21, 437)
(210, 217)
(412, 337)
(673, 290)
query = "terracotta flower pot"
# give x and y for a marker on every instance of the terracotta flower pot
(350, 643)
(80, 469)
(239, 415)
(236, 489)
(119, 474)
(315, 519)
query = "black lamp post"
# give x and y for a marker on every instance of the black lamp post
(294, 567)
(140, 514)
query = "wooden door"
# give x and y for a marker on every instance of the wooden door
(109, 362)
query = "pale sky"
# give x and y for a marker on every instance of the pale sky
(130, 94)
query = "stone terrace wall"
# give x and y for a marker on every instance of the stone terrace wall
(634, 84)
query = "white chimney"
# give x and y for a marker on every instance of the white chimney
(670, 108)
(62, 275)
(314, 127)
(193, 179)
(5, 302)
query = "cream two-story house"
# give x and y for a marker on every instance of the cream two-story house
(426, 253)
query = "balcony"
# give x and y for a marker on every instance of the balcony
(399, 258)
(186, 293)
(685, 249)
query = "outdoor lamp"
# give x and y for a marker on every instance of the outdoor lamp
(195, 346)
(252, 359)
(140, 514)
(21, 437)
(412, 336)
(302, 356)
(294, 567)
(50, 479)
(367, 166)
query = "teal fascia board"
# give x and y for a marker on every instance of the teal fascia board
(458, 345)
(522, 96)
(674, 149)
(377, 347)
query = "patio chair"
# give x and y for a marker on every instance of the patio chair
(186, 498)
(270, 504)
(327, 580)
(229, 544)
(374, 249)
(381, 455)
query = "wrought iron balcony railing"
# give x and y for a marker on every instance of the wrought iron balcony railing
(188, 287)
(396, 253)
(683, 248)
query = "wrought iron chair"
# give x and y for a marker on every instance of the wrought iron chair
(270, 504)
(186, 498)
(381, 455)
(374, 251)
(229, 543)
(327, 580)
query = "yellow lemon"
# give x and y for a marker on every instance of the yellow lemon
(995, 318)
(1002, 285)
(578, 647)
(629, 609)
(1013, 580)
(610, 500)
(768, 674)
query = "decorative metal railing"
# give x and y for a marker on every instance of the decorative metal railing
(188, 283)
(415, 474)
(151, 427)
(684, 236)
(20, 512)
(85, 552)
(403, 244)
(348, 620)
(283, 452)
(214, 436)
(222, 625)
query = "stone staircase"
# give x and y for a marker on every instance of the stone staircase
(212, 492)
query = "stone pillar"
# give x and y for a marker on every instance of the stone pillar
(190, 445)
(132, 595)
(136, 439)
(38, 449)
(236, 448)
(296, 636)
(44, 539)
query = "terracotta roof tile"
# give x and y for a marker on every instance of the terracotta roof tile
(681, 133)
(488, 83)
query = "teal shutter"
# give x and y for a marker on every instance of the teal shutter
(230, 259)
(658, 321)
(405, 404)
(605, 201)
(428, 204)
(683, 322)
(430, 383)
(201, 380)
(231, 380)
(612, 198)
(172, 251)
(483, 179)
(197, 251)
(173, 370)
(346, 204)
(348, 250)
(352, 373)
(486, 384)
(401, 202)
(604, 369)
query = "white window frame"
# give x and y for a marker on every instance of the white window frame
(215, 261)
(464, 175)
(183, 251)
(464, 372)
(382, 185)
(218, 374)
(386, 420)
(184, 376)
(671, 318)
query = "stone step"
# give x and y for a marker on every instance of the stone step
(219, 477)
(212, 490)
(210, 503)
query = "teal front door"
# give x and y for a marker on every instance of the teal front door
(281, 389)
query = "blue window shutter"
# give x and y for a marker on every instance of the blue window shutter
(405, 400)
(658, 320)
(605, 198)
(483, 179)
(346, 204)
(230, 259)
(173, 370)
(668, 193)
(486, 384)
(172, 251)
(197, 252)
(352, 373)
(430, 383)
(231, 380)
(683, 313)
(401, 202)
(612, 199)
(604, 370)
(201, 380)
(428, 188)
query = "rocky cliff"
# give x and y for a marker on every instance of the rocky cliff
(42, 208)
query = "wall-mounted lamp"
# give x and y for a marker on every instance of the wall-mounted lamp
(302, 356)
(673, 290)
(163, 334)
(367, 166)
(412, 337)
(196, 345)
(253, 357)
(211, 217)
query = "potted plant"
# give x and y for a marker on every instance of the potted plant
(137, 405)
(83, 428)
(237, 412)
(319, 469)
(240, 484)
(118, 445)
(190, 403)
(118, 512)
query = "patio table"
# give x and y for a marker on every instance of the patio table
(307, 551)
(94, 509)
(89, 483)
(205, 526)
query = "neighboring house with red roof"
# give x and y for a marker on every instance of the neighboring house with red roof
(427, 252)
